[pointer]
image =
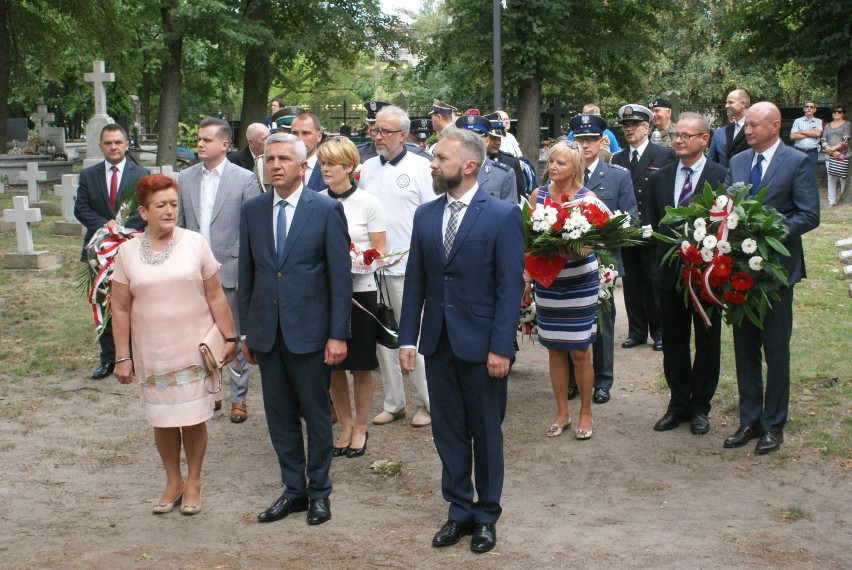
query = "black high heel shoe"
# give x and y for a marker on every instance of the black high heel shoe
(358, 452)
(339, 451)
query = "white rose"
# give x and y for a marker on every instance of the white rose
(699, 234)
(710, 242)
(732, 221)
(755, 263)
(723, 247)
(707, 255)
(749, 246)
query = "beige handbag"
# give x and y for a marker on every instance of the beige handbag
(211, 347)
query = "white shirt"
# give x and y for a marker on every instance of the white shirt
(804, 124)
(737, 126)
(209, 188)
(309, 171)
(510, 145)
(289, 211)
(767, 157)
(120, 166)
(465, 199)
(680, 177)
(591, 168)
(641, 148)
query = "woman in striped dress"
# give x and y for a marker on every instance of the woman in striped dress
(566, 311)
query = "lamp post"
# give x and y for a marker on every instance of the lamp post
(498, 96)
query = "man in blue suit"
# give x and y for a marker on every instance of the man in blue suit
(464, 280)
(730, 139)
(790, 176)
(295, 302)
(103, 186)
(307, 127)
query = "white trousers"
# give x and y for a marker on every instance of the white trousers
(832, 187)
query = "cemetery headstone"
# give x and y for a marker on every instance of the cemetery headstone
(16, 131)
(98, 78)
(68, 226)
(26, 257)
(41, 118)
(32, 176)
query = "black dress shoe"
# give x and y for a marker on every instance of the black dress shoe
(631, 342)
(699, 424)
(358, 452)
(669, 421)
(770, 441)
(601, 396)
(572, 392)
(451, 532)
(283, 507)
(102, 371)
(658, 345)
(742, 437)
(319, 511)
(484, 537)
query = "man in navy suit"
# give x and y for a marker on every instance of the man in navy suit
(295, 302)
(102, 187)
(612, 185)
(464, 280)
(692, 385)
(307, 127)
(790, 176)
(730, 139)
(642, 158)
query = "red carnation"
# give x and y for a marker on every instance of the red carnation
(705, 296)
(371, 255)
(742, 281)
(714, 280)
(352, 247)
(686, 272)
(734, 297)
(691, 256)
(722, 266)
(595, 215)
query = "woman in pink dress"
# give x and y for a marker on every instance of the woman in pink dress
(166, 294)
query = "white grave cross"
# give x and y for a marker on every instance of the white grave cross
(33, 176)
(22, 216)
(41, 119)
(99, 77)
(68, 191)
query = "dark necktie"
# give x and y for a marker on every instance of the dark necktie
(281, 230)
(634, 162)
(452, 227)
(586, 177)
(686, 191)
(755, 176)
(113, 188)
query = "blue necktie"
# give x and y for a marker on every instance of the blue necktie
(755, 176)
(281, 231)
(686, 191)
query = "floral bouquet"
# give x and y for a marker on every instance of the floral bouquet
(553, 228)
(726, 246)
(94, 278)
(369, 260)
(526, 323)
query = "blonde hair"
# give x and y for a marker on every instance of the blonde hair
(339, 150)
(574, 157)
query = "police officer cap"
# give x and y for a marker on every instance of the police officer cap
(475, 123)
(660, 102)
(587, 125)
(632, 112)
(421, 127)
(497, 129)
(374, 107)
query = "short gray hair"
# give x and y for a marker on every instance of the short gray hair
(298, 145)
(403, 122)
(703, 127)
(472, 144)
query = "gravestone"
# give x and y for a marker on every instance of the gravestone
(168, 170)
(41, 118)
(56, 137)
(22, 216)
(16, 131)
(554, 115)
(93, 129)
(153, 169)
(32, 176)
(68, 226)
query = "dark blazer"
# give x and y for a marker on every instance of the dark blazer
(92, 205)
(663, 192)
(498, 180)
(654, 158)
(724, 145)
(476, 292)
(316, 182)
(613, 186)
(792, 191)
(242, 158)
(308, 296)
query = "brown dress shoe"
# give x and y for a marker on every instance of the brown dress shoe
(238, 412)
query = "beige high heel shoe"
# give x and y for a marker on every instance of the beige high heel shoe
(163, 508)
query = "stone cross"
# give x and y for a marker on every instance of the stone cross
(99, 77)
(22, 216)
(554, 117)
(168, 170)
(41, 119)
(68, 192)
(33, 175)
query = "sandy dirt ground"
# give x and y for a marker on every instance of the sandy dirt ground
(80, 474)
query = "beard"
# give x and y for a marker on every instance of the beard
(442, 185)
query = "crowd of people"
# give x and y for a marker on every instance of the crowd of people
(261, 242)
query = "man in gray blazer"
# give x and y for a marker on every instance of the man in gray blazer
(791, 178)
(211, 195)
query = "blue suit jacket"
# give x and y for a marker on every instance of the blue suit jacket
(477, 291)
(317, 182)
(92, 205)
(308, 296)
(716, 152)
(613, 186)
(792, 182)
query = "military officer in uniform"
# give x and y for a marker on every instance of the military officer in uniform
(284, 116)
(663, 134)
(642, 158)
(421, 129)
(493, 142)
(368, 150)
(494, 177)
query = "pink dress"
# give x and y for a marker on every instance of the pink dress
(169, 317)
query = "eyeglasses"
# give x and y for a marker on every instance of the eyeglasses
(838, 111)
(685, 137)
(809, 107)
(383, 132)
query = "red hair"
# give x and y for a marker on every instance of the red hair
(150, 184)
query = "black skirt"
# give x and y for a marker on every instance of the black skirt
(361, 348)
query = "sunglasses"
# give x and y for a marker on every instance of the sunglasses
(838, 111)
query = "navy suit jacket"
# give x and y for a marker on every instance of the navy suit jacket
(476, 292)
(92, 205)
(792, 182)
(663, 192)
(612, 185)
(654, 158)
(308, 296)
(316, 183)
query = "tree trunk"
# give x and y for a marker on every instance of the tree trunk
(257, 75)
(844, 85)
(5, 71)
(170, 79)
(529, 118)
